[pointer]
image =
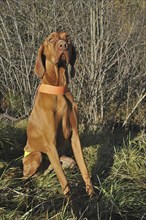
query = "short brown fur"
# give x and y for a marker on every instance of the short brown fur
(53, 119)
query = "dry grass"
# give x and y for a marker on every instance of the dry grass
(122, 189)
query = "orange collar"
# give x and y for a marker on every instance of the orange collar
(53, 90)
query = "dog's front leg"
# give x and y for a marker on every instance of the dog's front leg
(52, 152)
(54, 159)
(75, 141)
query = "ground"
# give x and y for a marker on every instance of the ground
(115, 157)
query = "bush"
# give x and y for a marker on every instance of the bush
(109, 39)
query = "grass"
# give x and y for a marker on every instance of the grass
(116, 163)
(125, 187)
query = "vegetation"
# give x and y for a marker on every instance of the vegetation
(110, 41)
(117, 169)
(109, 87)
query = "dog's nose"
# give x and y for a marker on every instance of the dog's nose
(62, 45)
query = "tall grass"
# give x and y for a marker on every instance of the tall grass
(122, 193)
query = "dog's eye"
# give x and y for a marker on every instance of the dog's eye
(51, 40)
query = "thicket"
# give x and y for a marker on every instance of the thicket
(109, 36)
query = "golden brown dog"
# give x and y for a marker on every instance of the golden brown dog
(53, 119)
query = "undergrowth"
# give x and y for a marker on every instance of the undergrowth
(118, 170)
(124, 190)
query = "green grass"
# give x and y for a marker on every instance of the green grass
(115, 161)
(125, 188)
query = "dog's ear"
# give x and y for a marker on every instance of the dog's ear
(40, 63)
(72, 61)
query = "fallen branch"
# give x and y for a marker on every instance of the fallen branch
(11, 118)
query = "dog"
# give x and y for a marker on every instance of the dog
(53, 120)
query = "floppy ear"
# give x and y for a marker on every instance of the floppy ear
(72, 61)
(40, 63)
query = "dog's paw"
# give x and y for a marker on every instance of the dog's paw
(90, 190)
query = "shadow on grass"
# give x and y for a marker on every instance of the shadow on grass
(12, 141)
(109, 138)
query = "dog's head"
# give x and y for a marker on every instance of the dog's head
(57, 49)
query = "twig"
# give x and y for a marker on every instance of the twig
(11, 118)
(139, 101)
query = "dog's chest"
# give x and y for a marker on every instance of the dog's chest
(61, 105)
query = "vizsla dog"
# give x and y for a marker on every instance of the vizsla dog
(53, 119)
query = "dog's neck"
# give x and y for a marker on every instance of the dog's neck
(55, 75)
